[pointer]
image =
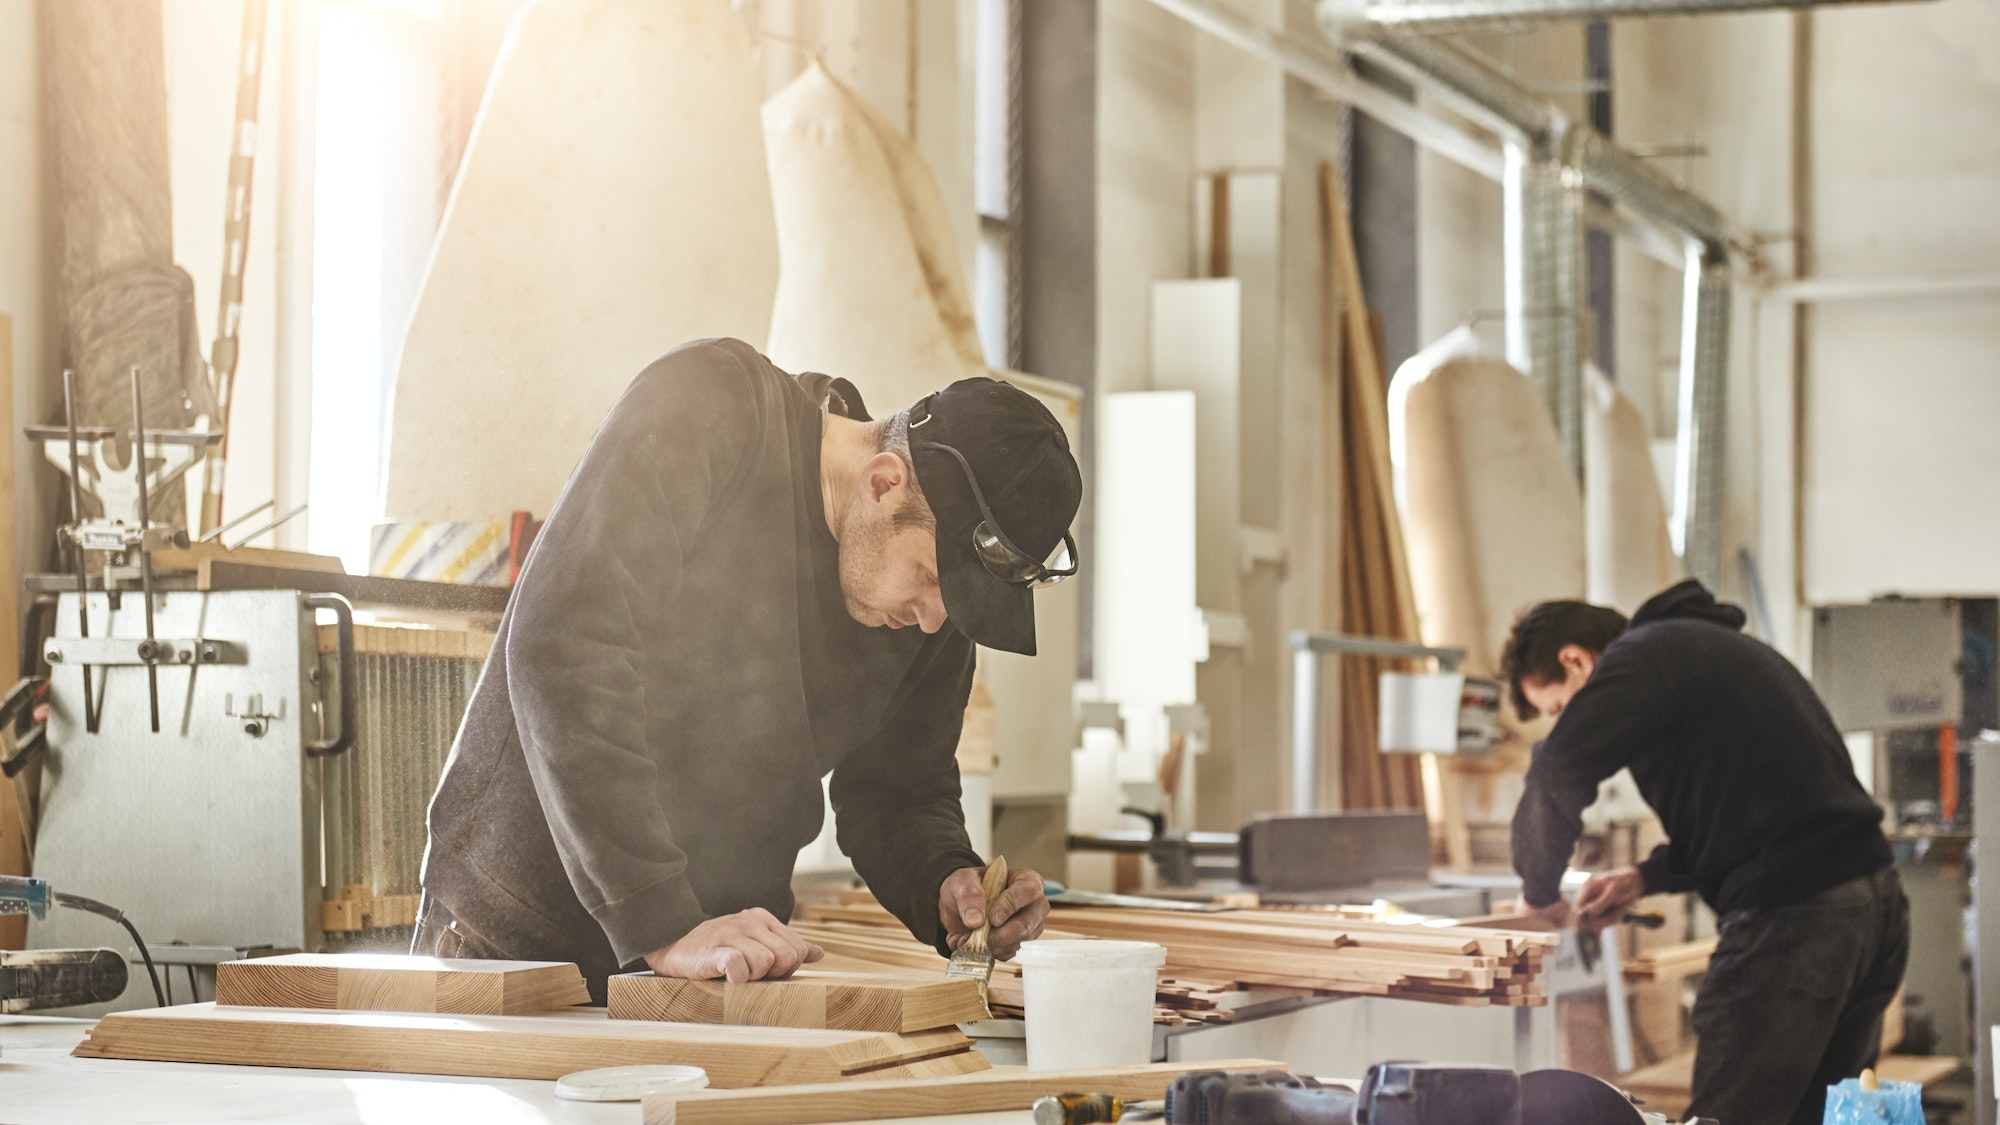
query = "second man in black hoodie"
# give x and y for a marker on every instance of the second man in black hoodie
(1764, 817)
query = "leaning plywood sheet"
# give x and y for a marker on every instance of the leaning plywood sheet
(545, 1046)
(870, 287)
(1630, 552)
(846, 1001)
(398, 982)
(613, 203)
(1491, 511)
(998, 1089)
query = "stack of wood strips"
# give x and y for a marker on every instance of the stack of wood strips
(1325, 953)
(1670, 962)
(859, 936)
(1307, 951)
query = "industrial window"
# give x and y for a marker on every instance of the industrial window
(997, 180)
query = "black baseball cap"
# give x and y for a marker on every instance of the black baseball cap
(998, 473)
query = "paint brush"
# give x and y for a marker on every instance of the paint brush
(973, 960)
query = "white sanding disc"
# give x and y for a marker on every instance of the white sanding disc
(629, 1083)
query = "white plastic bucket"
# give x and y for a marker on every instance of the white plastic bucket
(1089, 1003)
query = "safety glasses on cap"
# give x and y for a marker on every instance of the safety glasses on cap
(997, 553)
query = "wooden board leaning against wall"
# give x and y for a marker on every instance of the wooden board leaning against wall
(1376, 594)
(14, 801)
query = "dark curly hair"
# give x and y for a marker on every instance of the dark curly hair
(1539, 636)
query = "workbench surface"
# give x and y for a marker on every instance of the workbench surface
(40, 1084)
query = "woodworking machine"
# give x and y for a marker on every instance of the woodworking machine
(230, 771)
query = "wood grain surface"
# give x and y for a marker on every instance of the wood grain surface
(999, 1089)
(544, 1046)
(396, 982)
(842, 1001)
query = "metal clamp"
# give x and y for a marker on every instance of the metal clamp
(91, 651)
(343, 614)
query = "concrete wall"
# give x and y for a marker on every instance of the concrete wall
(1900, 398)
(26, 262)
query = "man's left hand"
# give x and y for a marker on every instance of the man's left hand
(1604, 900)
(1018, 913)
(1555, 915)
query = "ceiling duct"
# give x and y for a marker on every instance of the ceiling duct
(1546, 205)
(1551, 161)
(1433, 16)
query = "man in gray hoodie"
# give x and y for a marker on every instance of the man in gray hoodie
(746, 586)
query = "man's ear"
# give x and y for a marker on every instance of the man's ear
(883, 475)
(1576, 657)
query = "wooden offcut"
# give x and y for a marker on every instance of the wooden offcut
(1670, 962)
(396, 982)
(360, 908)
(543, 1046)
(842, 1001)
(999, 1089)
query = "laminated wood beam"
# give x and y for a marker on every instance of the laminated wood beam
(843, 1001)
(544, 1047)
(999, 1089)
(395, 982)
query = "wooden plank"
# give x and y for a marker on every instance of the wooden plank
(1670, 962)
(544, 1046)
(13, 793)
(412, 640)
(397, 982)
(195, 557)
(845, 1001)
(1002, 1088)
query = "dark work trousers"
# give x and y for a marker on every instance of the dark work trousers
(441, 935)
(1793, 1001)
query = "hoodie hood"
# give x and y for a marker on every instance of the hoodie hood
(1689, 599)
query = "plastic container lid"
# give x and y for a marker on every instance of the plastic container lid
(629, 1083)
(1091, 954)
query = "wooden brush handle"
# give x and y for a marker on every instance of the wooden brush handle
(994, 883)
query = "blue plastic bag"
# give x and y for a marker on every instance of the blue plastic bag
(1896, 1103)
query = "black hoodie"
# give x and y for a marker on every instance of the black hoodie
(1729, 744)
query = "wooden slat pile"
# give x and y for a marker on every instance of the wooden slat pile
(859, 936)
(1326, 953)
(1309, 951)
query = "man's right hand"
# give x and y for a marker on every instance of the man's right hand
(748, 945)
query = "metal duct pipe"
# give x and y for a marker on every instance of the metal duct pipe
(1498, 101)
(1436, 16)
(1327, 72)
(1698, 457)
(1501, 104)
(1475, 89)
(1642, 187)
(1317, 66)
(1546, 284)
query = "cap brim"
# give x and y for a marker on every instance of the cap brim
(993, 613)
